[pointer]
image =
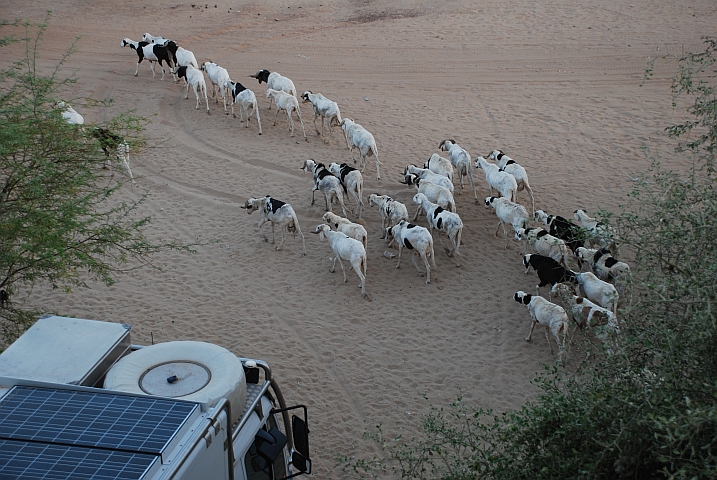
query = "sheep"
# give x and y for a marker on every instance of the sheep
(443, 221)
(460, 159)
(573, 235)
(544, 243)
(545, 313)
(324, 108)
(352, 181)
(502, 181)
(347, 227)
(219, 78)
(440, 165)
(246, 100)
(549, 271)
(346, 248)
(417, 239)
(278, 213)
(603, 264)
(288, 103)
(583, 309)
(274, 81)
(598, 232)
(429, 176)
(69, 115)
(508, 212)
(600, 292)
(109, 140)
(156, 40)
(325, 181)
(392, 211)
(153, 53)
(195, 78)
(358, 137)
(184, 58)
(507, 164)
(435, 193)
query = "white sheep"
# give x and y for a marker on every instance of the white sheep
(507, 164)
(288, 103)
(275, 81)
(346, 248)
(508, 212)
(278, 213)
(352, 181)
(219, 77)
(429, 176)
(460, 159)
(392, 211)
(545, 313)
(195, 78)
(69, 115)
(184, 58)
(326, 109)
(582, 309)
(418, 240)
(156, 40)
(443, 221)
(600, 292)
(325, 181)
(503, 182)
(440, 165)
(434, 193)
(598, 232)
(545, 244)
(247, 103)
(360, 138)
(347, 227)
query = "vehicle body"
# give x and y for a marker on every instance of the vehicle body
(59, 419)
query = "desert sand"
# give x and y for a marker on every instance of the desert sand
(556, 85)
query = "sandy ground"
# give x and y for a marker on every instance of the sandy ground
(555, 85)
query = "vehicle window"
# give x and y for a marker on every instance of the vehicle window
(257, 468)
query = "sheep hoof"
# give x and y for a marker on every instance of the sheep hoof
(367, 297)
(331, 270)
(527, 339)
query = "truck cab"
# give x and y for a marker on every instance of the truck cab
(79, 401)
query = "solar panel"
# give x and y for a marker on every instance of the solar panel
(117, 422)
(41, 461)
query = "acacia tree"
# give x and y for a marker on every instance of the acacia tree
(649, 410)
(59, 221)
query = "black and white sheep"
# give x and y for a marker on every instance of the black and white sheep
(552, 316)
(444, 222)
(392, 211)
(195, 78)
(112, 142)
(543, 243)
(508, 212)
(247, 103)
(288, 103)
(440, 165)
(507, 164)
(352, 181)
(275, 81)
(429, 176)
(345, 248)
(325, 181)
(417, 239)
(598, 232)
(152, 52)
(549, 271)
(434, 193)
(573, 235)
(460, 159)
(327, 109)
(278, 213)
(502, 181)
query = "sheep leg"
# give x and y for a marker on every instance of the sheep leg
(283, 237)
(196, 94)
(316, 115)
(137, 69)
(361, 274)
(272, 232)
(255, 109)
(291, 121)
(550, 345)
(475, 194)
(400, 251)
(276, 115)
(328, 123)
(301, 121)
(312, 193)
(532, 326)
(151, 65)
(261, 224)
(417, 212)
(341, 264)
(327, 202)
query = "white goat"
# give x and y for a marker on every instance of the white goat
(443, 221)
(156, 40)
(346, 248)
(545, 244)
(507, 164)
(219, 77)
(418, 240)
(275, 81)
(583, 309)
(429, 176)
(153, 53)
(508, 212)
(278, 213)
(360, 138)
(434, 193)
(545, 313)
(246, 100)
(460, 159)
(195, 78)
(69, 115)
(440, 165)
(352, 181)
(392, 211)
(326, 109)
(600, 292)
(288, 103)
(347, 227)
(325, 181)
(502, 181)
(598, 232)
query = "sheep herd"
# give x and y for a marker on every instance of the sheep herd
(553, 245)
